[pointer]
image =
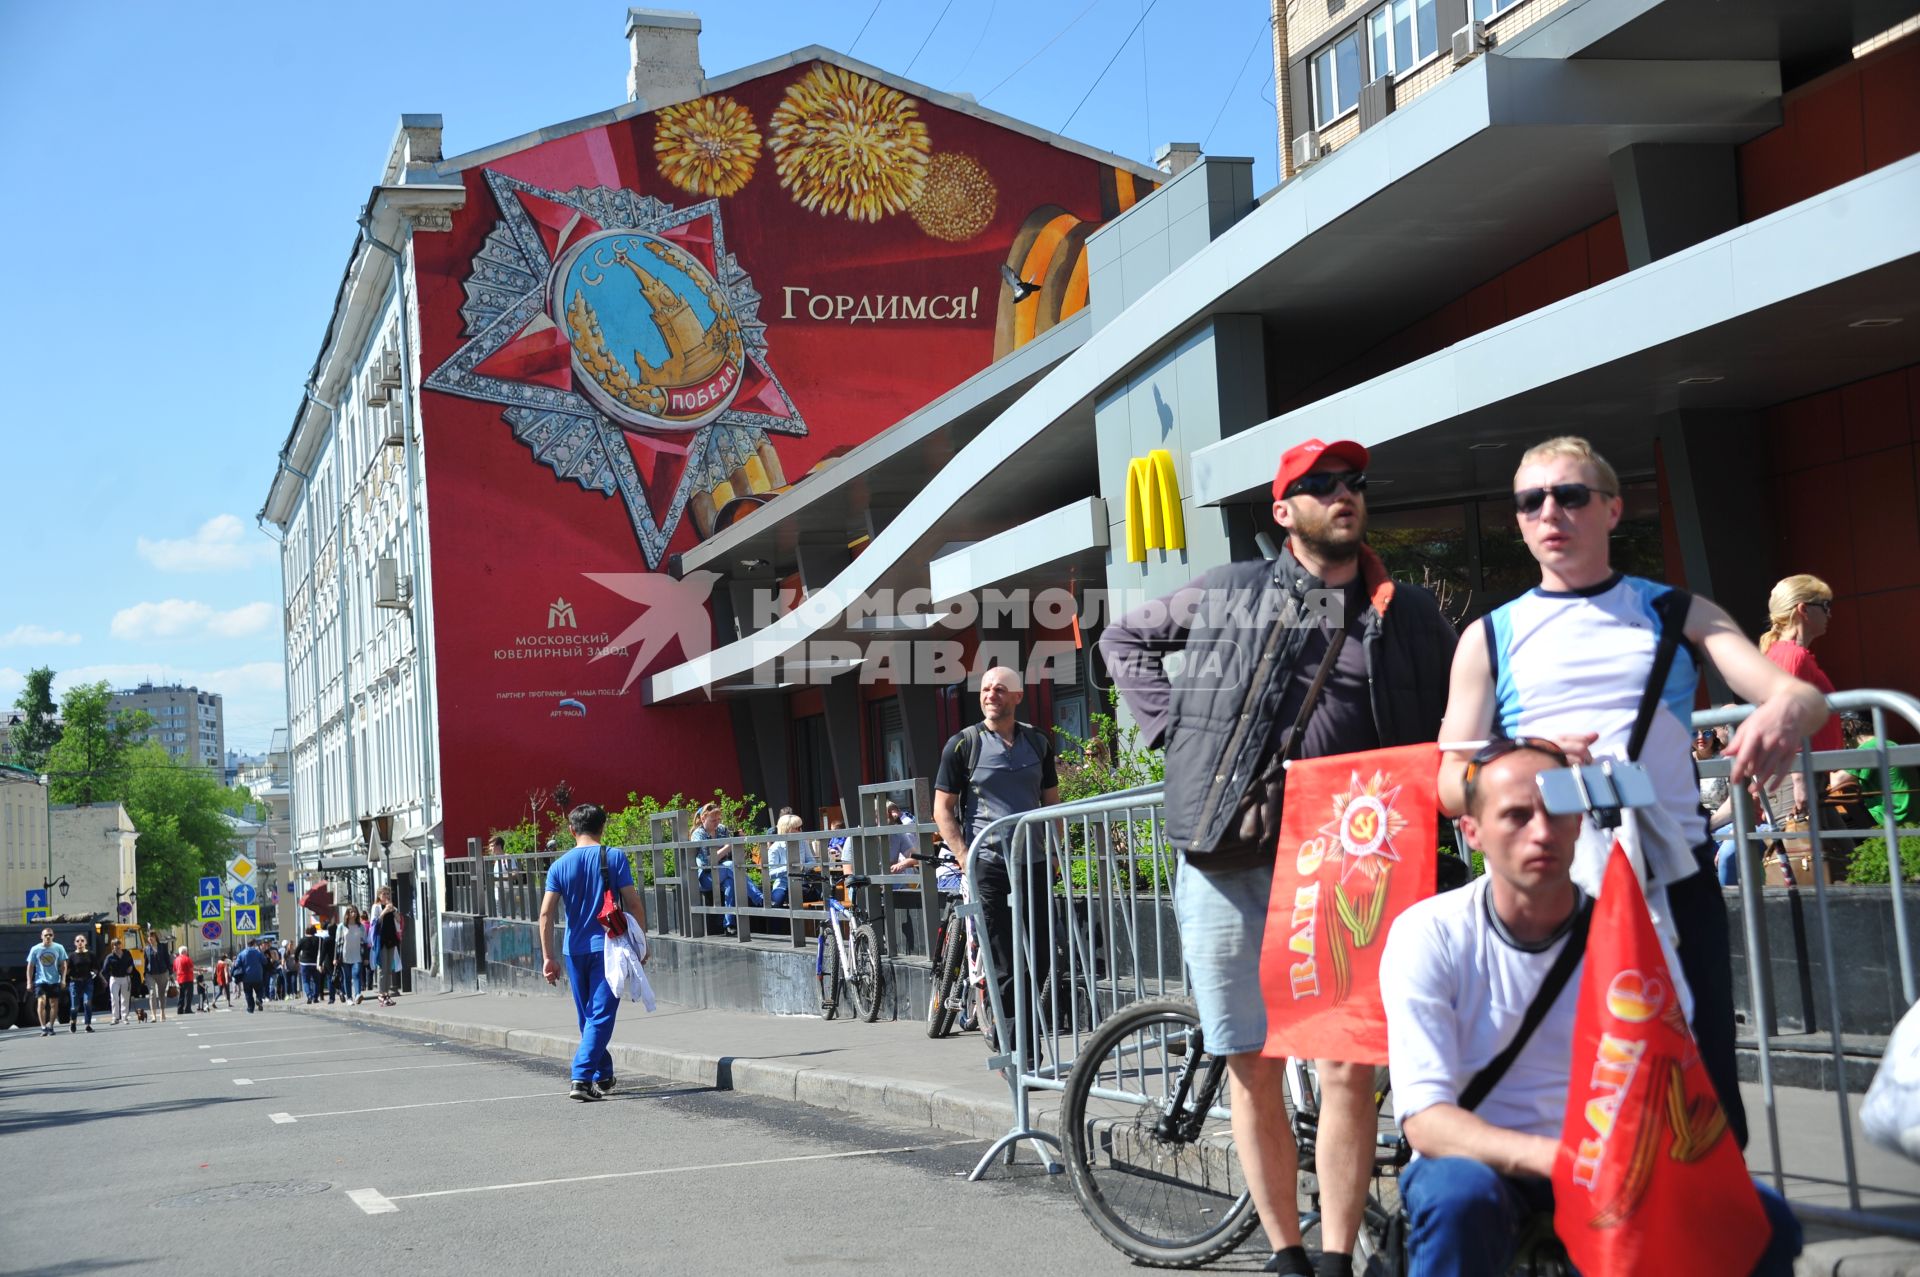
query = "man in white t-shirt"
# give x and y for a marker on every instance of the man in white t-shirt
(1458, 974)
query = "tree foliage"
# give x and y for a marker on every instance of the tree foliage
(39, 726)
(89, 762)
(629, 826)
(183, 831)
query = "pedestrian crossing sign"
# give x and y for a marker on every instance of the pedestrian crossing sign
(246, 920)
(211, 909)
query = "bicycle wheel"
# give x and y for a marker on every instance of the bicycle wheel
(868, 979)
(948, 977)
(828, 968)
(1160, 1198)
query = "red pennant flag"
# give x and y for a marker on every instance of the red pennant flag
(1645, 1154)
(1356, 848)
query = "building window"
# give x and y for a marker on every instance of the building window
(1336, 79)
(1401, 35)
(1484, 9)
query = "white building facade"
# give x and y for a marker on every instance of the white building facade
(23, 840)
(94, 850)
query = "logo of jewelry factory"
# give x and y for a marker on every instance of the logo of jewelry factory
(625, 346)
(560, 615)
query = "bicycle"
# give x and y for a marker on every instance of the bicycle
(1148, 1143)
(852, 961)
(957, 989)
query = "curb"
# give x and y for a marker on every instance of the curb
(941, 1108)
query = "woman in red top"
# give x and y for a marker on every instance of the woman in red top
(1798, 611)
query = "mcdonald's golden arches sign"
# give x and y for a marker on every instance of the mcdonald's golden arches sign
(1153, 506)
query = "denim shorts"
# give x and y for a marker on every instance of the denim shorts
(1223, 918)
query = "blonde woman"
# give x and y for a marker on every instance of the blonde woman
(781, 850)
(1798, 612)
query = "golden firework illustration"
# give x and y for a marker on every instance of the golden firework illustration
(845, 144)
(959, 198)
(708, 146)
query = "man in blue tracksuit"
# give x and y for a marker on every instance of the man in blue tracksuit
(574, 884)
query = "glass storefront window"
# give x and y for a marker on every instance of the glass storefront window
(1435, 546)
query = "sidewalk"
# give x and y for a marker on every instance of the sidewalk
(891, 1069)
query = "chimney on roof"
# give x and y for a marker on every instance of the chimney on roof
(663, 62)
(1175, 158)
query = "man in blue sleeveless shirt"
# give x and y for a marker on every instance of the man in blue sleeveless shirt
(1569, 661)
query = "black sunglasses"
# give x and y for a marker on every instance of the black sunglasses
(1568, 496)
(1825, 605)
(1324, 483)
(1501, 746)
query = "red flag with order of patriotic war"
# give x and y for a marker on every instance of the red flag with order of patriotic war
(1645, 1154)
(1357, 842)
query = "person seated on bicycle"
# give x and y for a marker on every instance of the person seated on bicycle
(1458, 975)
(783, 850)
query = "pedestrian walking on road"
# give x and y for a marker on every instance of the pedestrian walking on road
(348, 951)
(223, 981)
(576, 884)
(159, 972)
(183, 976)
(386, 930)
(250, 969)
(80, 972)
(46, 972)
(119, 969)
(309, 955)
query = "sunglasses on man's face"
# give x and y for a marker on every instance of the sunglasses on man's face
(1568, 496)
(1324, 483)
(1501, 746)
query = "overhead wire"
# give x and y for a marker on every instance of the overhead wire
(923, 44)
(984, 28)
(1042, 49)
(1109, 66)
(864, 25)
(1231, 89)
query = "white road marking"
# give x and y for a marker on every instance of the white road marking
(430, 1104)
(239, 1039)
(281, 1055)
(667, 1170)
(218, 1059)
(205, 1046)
(370, 1201)
(282, 1118)
(398, 1068)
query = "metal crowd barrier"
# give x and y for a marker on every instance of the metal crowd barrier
(1106, 937)
(1749, 838)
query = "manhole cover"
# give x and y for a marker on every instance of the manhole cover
(254, 1192)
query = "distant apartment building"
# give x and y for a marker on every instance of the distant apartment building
(187, 722)
(94, 855)
(23, 840)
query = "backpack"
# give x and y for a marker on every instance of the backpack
(966, 747)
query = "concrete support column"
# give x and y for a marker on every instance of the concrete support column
(1672, 196)
(843, 708)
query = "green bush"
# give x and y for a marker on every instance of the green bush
(1869, 865)
(630, 826)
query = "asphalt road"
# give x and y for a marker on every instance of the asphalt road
(224, 1143)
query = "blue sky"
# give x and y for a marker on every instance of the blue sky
(180, 189)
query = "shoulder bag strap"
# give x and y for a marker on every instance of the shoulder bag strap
(1672, 610)
(1483, 1082)
(1335, 641)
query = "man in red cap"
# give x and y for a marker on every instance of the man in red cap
(1318, 652)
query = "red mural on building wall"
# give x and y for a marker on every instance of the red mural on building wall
(635, 334)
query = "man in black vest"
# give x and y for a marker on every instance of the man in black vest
(1315, 653)
(996, 768)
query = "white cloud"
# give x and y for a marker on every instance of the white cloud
(37, 636)
(181, 618)
(252, 695)
(223, 544)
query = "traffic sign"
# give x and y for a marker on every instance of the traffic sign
(209, 886)
(36, 910)
(211, 930)
(241, 867)
(243, 894)
(126, 908)
(246, 921)
(213, 908)
(36, 915)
